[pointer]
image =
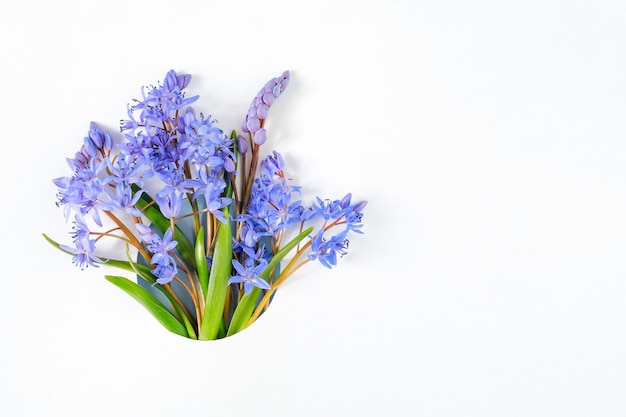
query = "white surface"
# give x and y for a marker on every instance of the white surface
(487, 136)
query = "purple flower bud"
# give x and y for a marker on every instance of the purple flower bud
(170, 81)
(272, 164)
(97, 139)
(108, 141)
(253, 124)
(189, 117)
(262, 110)
(345, 202)
(268, 98)
(280, 163)
(81, 160)
(285, 80)
(358, 207)
(184, 80)
(242, 143)
(90, 146)
(276, 90)
(260, 136)
(268, 86)
(229, 165)
(175, 82)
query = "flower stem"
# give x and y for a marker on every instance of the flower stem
(131, 237)
(250, 179)
(194, 291)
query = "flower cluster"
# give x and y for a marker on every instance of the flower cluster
(210, 220)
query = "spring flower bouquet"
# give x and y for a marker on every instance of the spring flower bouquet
(208, 224)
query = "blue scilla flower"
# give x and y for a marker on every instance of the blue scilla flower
(161, 248)
(174, 181)
(215, 207)
(278, 190)
(170, 204)
(200, 139)
(271, 202)
(208, 183)
(123, 170)
(123, 198)
(249, 275)
(280, 218)
(83, 251)
(158, 103)
(135, 147)
(165, 273)
(353, 215)
(303, 214)
(161, 153)
(163, 131)
(250, 233)
(118, 184)
(329, 209)
(80, 230)
(164, 264)
(257, 254)
(170, 197)
(273, 164)
(82, 193)
(325, 251)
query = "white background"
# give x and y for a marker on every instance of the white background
(487, 136)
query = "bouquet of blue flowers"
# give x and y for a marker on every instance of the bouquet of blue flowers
(216, 228)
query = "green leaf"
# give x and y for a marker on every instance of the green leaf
(146, 274)
(218, 281)
(151, 303)
(203, 270)
(245, 308)
(141, 270)
(55, 244)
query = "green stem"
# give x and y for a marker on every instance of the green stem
(218, 281)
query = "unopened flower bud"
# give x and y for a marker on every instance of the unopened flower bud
(253, 124)
(260, 136)
(262, 110)
(173, 81)
(345, 202)
(229, 165)
(242, 144)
